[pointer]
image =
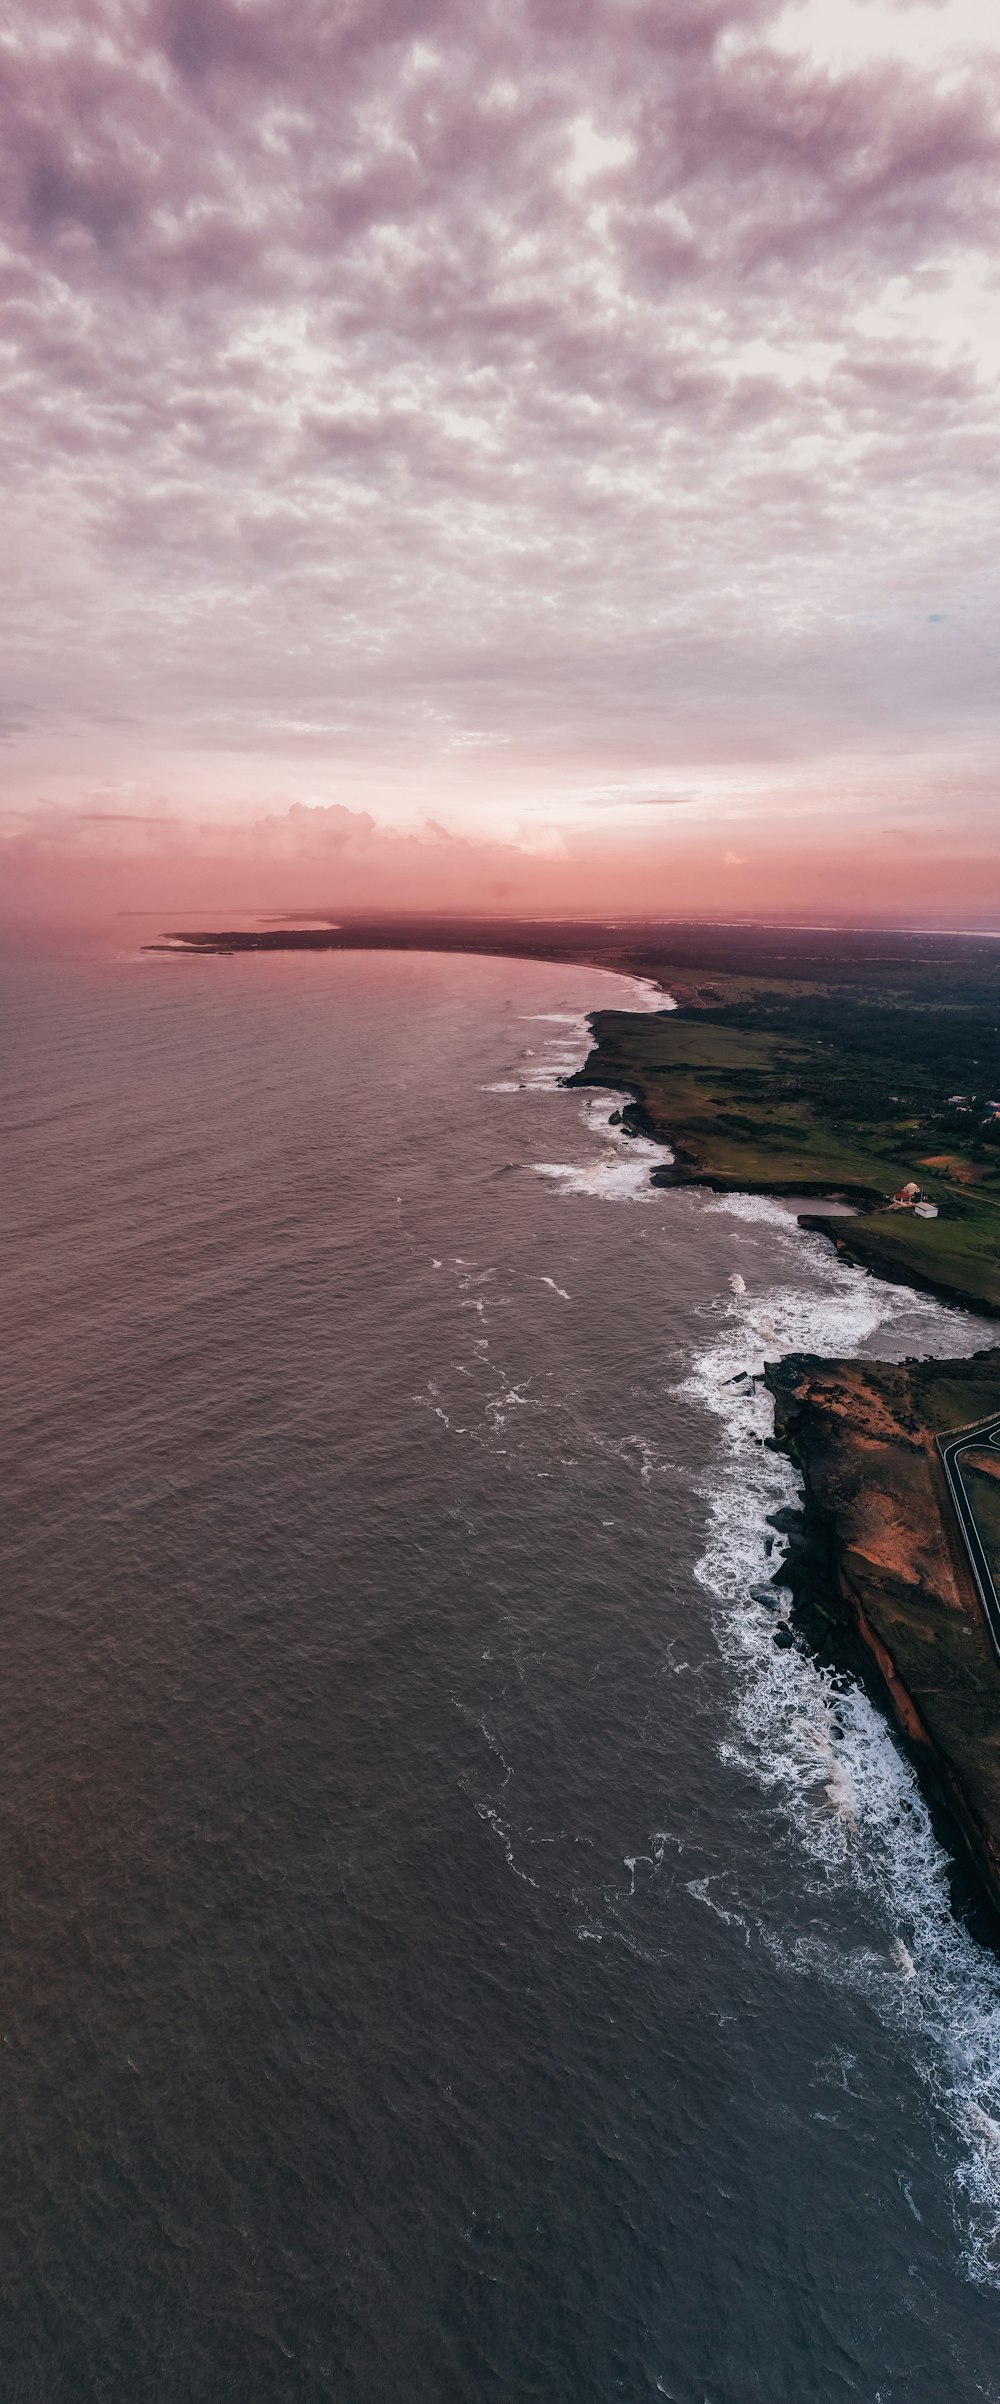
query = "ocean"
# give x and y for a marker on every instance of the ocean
(449, 1949)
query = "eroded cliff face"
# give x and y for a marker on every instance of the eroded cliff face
(885, 1558)
(876, 1469)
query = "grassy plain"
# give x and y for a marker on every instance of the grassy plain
(846, 1092)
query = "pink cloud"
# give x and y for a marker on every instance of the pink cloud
(413, 400)
(127, 879)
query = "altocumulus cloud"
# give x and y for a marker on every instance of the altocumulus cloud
(408, 398)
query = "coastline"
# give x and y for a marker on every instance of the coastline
(892, 1603)
(846, 1240)
(879, 1580)
(875, 1614)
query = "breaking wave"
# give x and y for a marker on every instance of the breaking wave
(543, 1067)
(812, 1738)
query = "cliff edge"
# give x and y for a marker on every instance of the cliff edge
(881, 1554)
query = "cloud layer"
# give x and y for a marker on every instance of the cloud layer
(484, 409)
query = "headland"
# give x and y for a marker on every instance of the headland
(825, 1062)
(881, 1577)
(873, 1080)
(855, 1066)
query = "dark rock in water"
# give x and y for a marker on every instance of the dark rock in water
(634, 1120)
(764, 1594)
(788, 1521)
(615, 1119)
(783, 1637)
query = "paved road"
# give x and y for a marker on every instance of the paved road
(951, 1449)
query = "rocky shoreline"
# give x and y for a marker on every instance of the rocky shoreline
(880, 1582)
(877, 1570)
(849, 1241)
(758, 1091)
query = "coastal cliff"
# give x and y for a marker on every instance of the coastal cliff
(878, 1560)
(839, 1065)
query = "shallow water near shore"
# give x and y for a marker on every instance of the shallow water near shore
(449, 1950)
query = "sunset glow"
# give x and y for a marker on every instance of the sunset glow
(533, 456)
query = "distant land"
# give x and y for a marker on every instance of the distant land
(819, 1061)
(834, 1064)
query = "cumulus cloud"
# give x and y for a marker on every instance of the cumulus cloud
(418, 399)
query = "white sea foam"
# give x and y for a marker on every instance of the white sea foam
(610, 1179)
(545, 1070)
(770, 1210)
(762, 1210)
(819, 1747)
(813, 1741)
(622, 1170)
(645, 994)
(640, 994)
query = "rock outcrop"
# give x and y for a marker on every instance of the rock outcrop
(879, 1559)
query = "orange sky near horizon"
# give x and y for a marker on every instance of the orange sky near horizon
(535, 456)
(111, 878)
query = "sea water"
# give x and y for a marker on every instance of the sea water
(450, 1951)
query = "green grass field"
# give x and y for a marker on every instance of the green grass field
(789, 1088)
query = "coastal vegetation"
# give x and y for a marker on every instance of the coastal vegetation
(826, 1064)
(821, 1061)
(850, 1091)
(880, 1079)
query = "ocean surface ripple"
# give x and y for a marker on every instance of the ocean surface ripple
(451, 1951)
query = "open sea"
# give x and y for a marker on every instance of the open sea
(449, 1954)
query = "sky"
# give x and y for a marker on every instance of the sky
(499, 455)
